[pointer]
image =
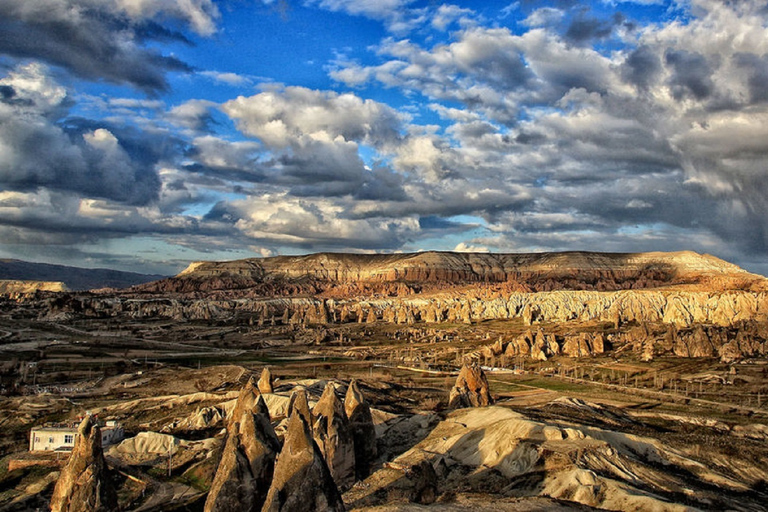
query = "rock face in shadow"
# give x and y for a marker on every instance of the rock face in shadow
(363, 431)
(424, 481)
(302, 481)
(84, 484)
(266, 382)
(333, 436)
(471, 389)
(247, 463)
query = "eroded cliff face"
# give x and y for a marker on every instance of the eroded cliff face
(682, 308)
(335, 274)
(675, 289)
(16, 288)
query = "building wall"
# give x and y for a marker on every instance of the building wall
(50, 439)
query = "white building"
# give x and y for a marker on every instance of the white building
(61, 437)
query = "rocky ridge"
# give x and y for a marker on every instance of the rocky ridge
(346, 274)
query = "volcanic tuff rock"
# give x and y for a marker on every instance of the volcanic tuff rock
(741, 341)
(363, 431)
(247, 401)
(84, 484)
(265, 381)
(457, 267)
(471, 388)
(333, 436)
(359, 274)
(299, 404)
(15, 288)
(499, 452)
(247, 463)
(302, 481)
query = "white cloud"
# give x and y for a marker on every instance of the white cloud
(464, 247)
(227, 78)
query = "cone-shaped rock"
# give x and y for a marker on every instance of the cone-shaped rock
(247, 464)
(84, 483)
(302, 481)
(300, 403)
(334, 437)
(471, 389)
(266, 384)
(363, 432)
(246, 400)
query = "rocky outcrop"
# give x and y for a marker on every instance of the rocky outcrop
(618, 271)
(247, 464)
(266, 384)
(14, 288)
(471, 389)
(363, 431)
(299, 404)
(333, 436)
(302, 481)
(246, 401)
(84, 484)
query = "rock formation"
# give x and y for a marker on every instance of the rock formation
(247, 463)
(302, 481)
(363, 432)
(246, 401)
(299, 403)
(471, 389)
(84, 484)
(333, 436)
(265, 382)
(540, 271)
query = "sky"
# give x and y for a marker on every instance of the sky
(142, 135)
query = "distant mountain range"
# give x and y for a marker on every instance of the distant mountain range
(74, 278)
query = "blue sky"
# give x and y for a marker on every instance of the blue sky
(145, 134)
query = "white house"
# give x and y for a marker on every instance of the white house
(61, 437)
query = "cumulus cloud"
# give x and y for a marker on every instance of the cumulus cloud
(604, 140)
(35, 151)
(283, 117)
(545, 137)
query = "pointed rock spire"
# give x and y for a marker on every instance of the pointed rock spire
(300, 403)
(247, 463)
(246, 400)
(84, 484)
(334, 437)
(266, 383)
(363, 431)
(302, 481)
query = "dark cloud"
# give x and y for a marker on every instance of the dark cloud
(757, 67)
(583, 29)
(642, 67)
(90, 40)
(691, 74)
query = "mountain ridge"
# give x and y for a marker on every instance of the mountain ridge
(381, 273)
(73, 278)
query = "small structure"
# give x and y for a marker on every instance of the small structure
(61, 436)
